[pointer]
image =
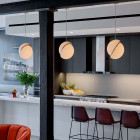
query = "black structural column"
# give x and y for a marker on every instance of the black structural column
(46, 19)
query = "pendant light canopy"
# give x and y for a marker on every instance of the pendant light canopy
(115, 48)
(25, 50)
(66, 49)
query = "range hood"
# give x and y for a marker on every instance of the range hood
(100, 53)
(100, 57)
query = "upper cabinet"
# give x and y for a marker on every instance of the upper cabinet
(83, 58)
(129, 62)
(134, 54)
(77, 64)
(120, 66)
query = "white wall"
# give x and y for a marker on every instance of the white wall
(124, 86)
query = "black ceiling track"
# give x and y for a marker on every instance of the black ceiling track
(39, 5)
(99, 18)
(77, 20)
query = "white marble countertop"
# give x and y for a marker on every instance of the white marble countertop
(112, 106)
(21, 99)
(63, 102)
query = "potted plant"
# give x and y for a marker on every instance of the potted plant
(67, 90)
(27, 80)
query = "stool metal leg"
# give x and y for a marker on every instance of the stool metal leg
(127, 133)
(80, 131)
(103, 132)
(95, 127)
(94, 130)
(113, 132)
(97, 130)
(70, 129)
(87, 130)
(121, 134)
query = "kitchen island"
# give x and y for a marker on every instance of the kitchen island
(27, 112)
(62, 117)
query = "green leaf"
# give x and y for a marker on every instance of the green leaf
(26, 79)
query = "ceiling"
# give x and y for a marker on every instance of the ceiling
(125, 25)
(10, 1)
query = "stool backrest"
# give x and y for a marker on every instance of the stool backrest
(79, 114)
(104, 116)
(130, 119)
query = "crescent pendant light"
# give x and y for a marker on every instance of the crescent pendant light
(115, 48)
(66, 49)
(25, 50)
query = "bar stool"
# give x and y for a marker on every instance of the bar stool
(79, 114)
(104, 117)
(129, 119)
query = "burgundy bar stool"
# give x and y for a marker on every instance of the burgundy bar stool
(104, 117)
(129, 119)
(79, 114)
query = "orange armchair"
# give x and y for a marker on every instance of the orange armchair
(14, 132)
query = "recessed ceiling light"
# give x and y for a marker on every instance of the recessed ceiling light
(71, 32)
(118, 29)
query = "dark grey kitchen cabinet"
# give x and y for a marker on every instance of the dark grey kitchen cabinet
(79, 58)
(135, 54)
(122, 65)
(77, 64)
(84, 58)
(129, 62)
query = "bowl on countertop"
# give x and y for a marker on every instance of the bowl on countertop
(77, 94)
(67, 92)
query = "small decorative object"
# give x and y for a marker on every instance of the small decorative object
(14, 92)
(77, 92)
(67, 90)
(27, 80)
(18, 94)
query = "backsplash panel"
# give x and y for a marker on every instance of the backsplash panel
(121, 85)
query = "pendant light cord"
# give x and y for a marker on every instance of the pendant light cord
(66, 25)
(115, 23)
(25, 28)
